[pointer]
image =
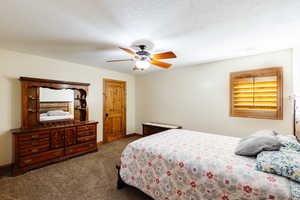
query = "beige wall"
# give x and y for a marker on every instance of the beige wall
(296, 70)
(13, 65)
(195, 97)
(198, 97)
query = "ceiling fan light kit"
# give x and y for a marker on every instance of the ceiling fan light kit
(143, 59)
(142, 64)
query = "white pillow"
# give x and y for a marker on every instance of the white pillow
(265, 132)
(57, 113)
(43, 114)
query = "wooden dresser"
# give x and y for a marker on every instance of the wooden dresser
(36, 147)
(152, 128)
(47, 135)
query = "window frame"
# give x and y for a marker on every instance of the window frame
(259, 114)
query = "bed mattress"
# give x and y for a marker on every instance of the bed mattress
(182, 164)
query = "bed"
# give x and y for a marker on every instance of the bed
(45, 117)
(182, 164)
(56, 110)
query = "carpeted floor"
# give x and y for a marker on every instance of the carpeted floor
(89, 177)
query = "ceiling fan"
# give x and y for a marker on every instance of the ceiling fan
(143, 59)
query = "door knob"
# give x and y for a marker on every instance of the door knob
(106, 114)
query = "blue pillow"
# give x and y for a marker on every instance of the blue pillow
(285, 164)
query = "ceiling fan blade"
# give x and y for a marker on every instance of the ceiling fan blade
(128, 51)
(165, 55)
(161, 64)
(122, 60)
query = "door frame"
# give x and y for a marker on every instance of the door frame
(104, 102)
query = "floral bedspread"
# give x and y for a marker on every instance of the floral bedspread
(182, 164)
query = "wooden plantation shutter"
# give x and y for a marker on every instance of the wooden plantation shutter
(256, 93)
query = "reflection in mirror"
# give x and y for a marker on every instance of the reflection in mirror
(56, 104)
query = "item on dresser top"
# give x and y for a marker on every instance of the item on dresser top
(282, 163)
(42, 95)
(264, 140)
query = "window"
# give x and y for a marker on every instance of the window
(256, 93)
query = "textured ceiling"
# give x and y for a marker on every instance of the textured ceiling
(89, 32)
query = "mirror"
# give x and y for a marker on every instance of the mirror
(56, 104)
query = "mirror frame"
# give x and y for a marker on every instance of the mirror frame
(30, 97)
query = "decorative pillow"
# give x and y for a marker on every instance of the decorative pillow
(258, 142)
(285, 164)
(289, 143)
(286, 138)
(295, 190)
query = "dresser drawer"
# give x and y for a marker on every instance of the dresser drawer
(33, 143)
(86, 133)
(86, 138)
(33, 150)
(33, 136)
(81, 148)
(86, 128)
(36, 158)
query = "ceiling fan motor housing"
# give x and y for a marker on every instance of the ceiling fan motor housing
(143, 58)
(143, 55)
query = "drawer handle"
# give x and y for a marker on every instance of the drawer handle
(71, 151)
(34, 137)
(35, 143)
(91, 145)
(34, 150)
(84, 132)
(28, 161)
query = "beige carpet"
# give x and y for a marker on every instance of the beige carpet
(89, 177)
